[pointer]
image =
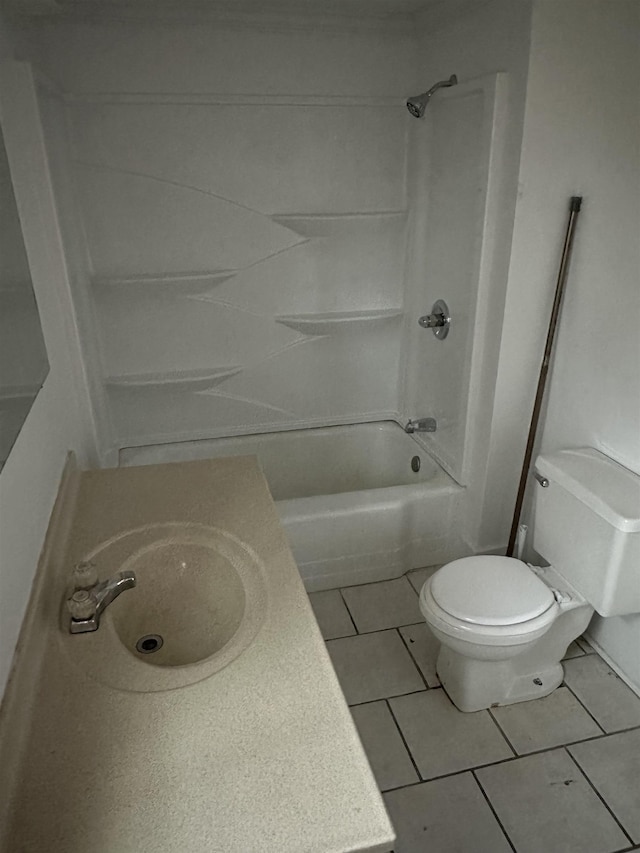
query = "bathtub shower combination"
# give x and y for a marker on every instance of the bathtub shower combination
(359, 503)
(363, 500)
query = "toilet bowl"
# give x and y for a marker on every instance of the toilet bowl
(503, 626)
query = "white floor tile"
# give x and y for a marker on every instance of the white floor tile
(586, 647)
(613, 765)
(547, 806)
(418, 576)
(445, 816)
(377, 606)
(444, 740)
(385, 749)
(332, 614)
(573, 651)
(374, 666)
(424, 649)
(605, 695)
(543, 723)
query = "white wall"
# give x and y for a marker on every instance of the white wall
(582, 136)
(244, 214)
(458, 163)
(60, 419)
(52, 109)
(493, 38)
(23, 360)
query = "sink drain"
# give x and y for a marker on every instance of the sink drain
(149, 643)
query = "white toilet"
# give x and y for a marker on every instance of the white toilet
(504, 626)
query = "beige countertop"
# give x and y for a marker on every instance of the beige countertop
(259, 757)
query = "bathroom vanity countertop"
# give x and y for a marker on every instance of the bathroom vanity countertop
(260, 757)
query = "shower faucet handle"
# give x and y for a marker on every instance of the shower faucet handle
(439, 320)
(433, 321)
(420, 425)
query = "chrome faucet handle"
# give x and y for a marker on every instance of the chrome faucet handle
(438, 321)
(421, 425)
(82, 605)
(433, 321)
(84, 575)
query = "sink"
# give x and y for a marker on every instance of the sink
(199, 601)
(188, 596)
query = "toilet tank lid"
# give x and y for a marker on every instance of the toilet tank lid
(606, 487)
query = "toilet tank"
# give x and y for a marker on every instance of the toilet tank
(587, 526)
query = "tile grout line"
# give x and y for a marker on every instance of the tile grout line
(339, 637)
(378, 631)
(383, 580)
(502, 732)
(582, 704)
(598, 794)
(580, 640)
(493, 811)
(413, 660)
(395, 627)
(386, 698)
(488, 764)
(406, 745)
(353, 621)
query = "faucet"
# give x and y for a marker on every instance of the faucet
(91, 597)
(420, 425)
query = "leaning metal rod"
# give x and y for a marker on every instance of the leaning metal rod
(574, 209)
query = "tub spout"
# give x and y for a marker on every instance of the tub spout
(420, 425)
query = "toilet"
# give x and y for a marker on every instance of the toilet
(504, 626)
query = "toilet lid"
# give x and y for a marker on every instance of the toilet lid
(490, 591)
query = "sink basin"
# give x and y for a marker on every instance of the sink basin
(188, 596)
(199, 602)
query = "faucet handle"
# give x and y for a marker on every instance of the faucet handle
(82, 605)
(85, 575)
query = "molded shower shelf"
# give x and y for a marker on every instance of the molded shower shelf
(185, 380)
(16, 395)
(337, 321)
(335, 224)
(19, 291)
(183, 283)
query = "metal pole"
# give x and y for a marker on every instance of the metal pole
(574, 208)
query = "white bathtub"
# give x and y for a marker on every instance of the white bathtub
(353, 508)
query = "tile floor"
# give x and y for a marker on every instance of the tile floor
(557, 775)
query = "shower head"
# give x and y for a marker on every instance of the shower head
(418, 103)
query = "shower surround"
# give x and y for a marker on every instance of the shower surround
(261, 231)
(246, 241)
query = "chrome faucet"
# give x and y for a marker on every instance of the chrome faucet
(421, 425)
(91, 597)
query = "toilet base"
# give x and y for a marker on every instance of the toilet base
(473, 685)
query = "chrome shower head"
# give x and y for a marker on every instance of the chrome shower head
(418, 104)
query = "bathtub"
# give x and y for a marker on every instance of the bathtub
(353, 508)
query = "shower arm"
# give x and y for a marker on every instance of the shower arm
(418, 103)
(442, 84)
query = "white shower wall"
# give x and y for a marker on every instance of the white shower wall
(245, 221)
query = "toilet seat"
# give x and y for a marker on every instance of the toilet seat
(490, 590)
(488, 601)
